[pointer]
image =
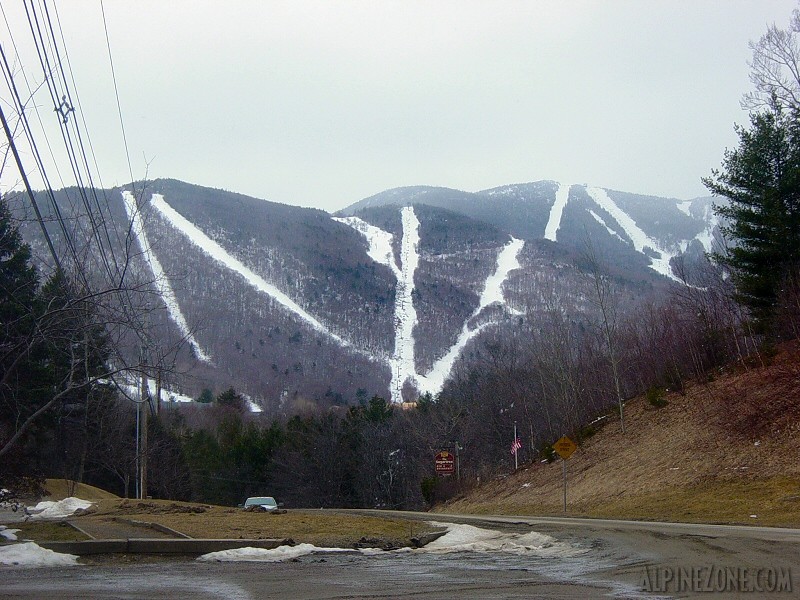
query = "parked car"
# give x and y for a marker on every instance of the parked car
(260, 503)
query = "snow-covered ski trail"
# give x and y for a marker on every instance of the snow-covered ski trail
(405, 315)
(161, 281)
(380, 242)
(639, 238)
(554, 221)
(507, 261)
(220, 255)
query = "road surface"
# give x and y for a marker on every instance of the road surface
(619, 559)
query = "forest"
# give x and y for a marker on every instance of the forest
(559, 372)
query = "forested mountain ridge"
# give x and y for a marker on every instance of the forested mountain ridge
(292, 305)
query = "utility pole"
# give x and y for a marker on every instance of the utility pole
(144, 408)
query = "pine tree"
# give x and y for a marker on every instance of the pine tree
(761, 180)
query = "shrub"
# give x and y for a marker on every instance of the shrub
(655, 396)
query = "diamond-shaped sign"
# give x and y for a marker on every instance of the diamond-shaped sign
(565, 447)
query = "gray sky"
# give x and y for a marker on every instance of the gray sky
(323, 103)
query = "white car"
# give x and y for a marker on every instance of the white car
(263, 503)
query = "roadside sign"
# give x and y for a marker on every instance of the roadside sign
(565, 447)
(445, 463)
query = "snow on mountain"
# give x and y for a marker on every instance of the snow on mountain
(602, 222)
(556, 212)
(220, 255)
(403, 364)
(641, 241)
(507, 261)
(380, 242)
(160, 279)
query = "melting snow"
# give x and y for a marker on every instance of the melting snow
(48, 509)
(161, 281)
(507, 261)
(467, 538)
(29, 554)
(219, 254)
(639, 238)
(281, 553)
(9, 534)
(459, 538)
(554, 222)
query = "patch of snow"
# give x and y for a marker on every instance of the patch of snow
(30, 554)
(219, 254)
(161, 281)
(48, 509)
(132, 389)
(639, 238)
(403, 365)
(279, 554)
(507, 261)
(684, 207)
(554, 221)
(380, 242)
(9, 534)
(706, 237)
(252, 405)
(468, 538)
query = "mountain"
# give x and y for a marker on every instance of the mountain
(292, 305)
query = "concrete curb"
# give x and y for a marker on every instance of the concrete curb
(159, 546)
(155, 526)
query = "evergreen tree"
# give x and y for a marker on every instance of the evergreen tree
(761, 180)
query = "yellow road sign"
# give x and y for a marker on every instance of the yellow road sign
(565, 447)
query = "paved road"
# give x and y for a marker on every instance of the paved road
(621, 559)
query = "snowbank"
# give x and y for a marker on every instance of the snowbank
(29, 554)
(8, 534)
(467, 538)
(459, 538)
(48, 509)
(278, 554)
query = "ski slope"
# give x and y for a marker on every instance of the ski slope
(638, 237)
(380, 242)
(507, 261)
(403, 364)
(216, 252)
(161, 281)
(557, 210)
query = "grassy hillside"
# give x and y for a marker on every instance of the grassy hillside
(725, 451)
(58, 489)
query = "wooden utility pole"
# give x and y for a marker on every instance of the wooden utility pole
(144, 406)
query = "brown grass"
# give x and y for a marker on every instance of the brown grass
(48, 531)
(62, 488)
(724, 451)
(322, 528)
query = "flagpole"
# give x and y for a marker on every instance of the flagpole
(516, 451)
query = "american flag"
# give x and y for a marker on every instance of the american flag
(515, 446)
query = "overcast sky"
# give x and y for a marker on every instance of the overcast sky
(324, 103)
